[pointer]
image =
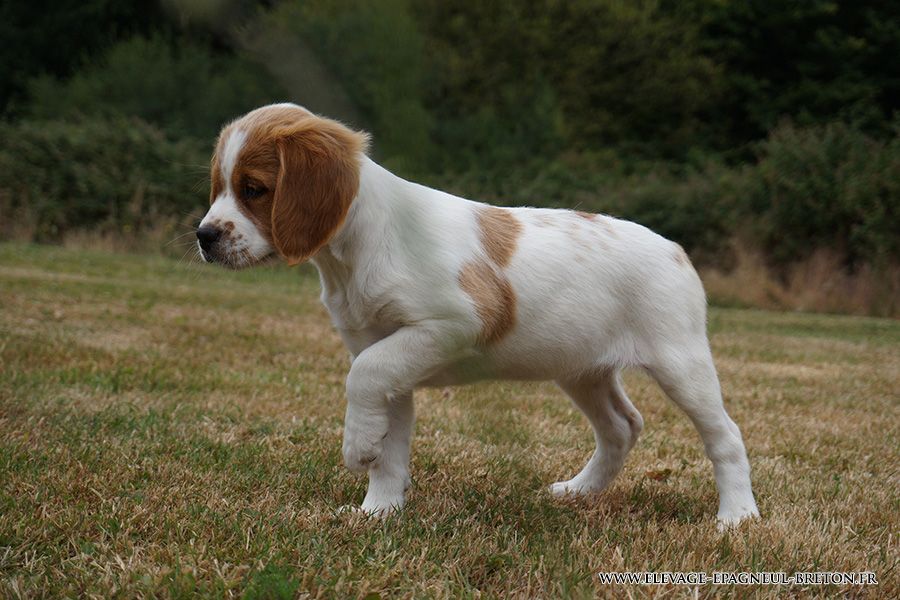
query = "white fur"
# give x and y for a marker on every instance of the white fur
(251, 247)
(592, 297)
(233, 146)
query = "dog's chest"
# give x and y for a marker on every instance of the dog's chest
(361, 318)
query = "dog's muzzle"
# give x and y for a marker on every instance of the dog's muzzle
(207, 237)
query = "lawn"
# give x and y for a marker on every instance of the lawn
(172, 429)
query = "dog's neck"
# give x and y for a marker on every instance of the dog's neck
(370, 224)
(380, 194)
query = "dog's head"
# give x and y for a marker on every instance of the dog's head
(282, 180)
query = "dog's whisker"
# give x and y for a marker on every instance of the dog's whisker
(178, 238)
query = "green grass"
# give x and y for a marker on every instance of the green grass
(174, 430)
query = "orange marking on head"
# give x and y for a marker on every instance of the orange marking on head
(495, 301)
(307, 168)
(499, 232)
(318, 180)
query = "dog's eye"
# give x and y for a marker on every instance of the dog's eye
(250, 191)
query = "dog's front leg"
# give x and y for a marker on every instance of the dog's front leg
(379, 418)
(389, 477)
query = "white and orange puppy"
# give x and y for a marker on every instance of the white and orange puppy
(427, 288)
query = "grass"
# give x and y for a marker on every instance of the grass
(174, 430)
(820, 283)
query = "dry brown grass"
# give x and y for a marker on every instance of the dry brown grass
(169, 430)
(820, 283)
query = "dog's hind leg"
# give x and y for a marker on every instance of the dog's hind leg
(688, 377)
(616, 423)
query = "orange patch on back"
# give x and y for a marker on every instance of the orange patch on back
(586, 215)
(499, 233)
(494, 299)
(484, 281)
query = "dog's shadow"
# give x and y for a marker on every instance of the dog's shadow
(646, 501)
(647, 504)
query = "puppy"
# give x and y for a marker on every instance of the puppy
(428, 289)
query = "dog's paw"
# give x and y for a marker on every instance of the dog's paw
(363, 446)
(381, 507)
(729, 519)
(572, 487)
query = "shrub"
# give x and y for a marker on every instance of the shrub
(181, 87)
(118, 172)
(514, 80)
(696, 211)
(830, 187)
(375, 54)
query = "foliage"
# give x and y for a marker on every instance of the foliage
(774, 123)
(376, 51)
(826, 187)
(177, 85)
(56, 36)
(121, 172)
(513, 80)
(814, 61)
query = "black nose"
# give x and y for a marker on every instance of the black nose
(208, 236)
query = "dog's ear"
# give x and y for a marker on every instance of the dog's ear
(318, 178)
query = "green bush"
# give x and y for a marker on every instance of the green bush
(820, 188)
(696, 211)
(514, 80)
(56, 176)
(181, 87)
(376, 54)
(828, 187)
